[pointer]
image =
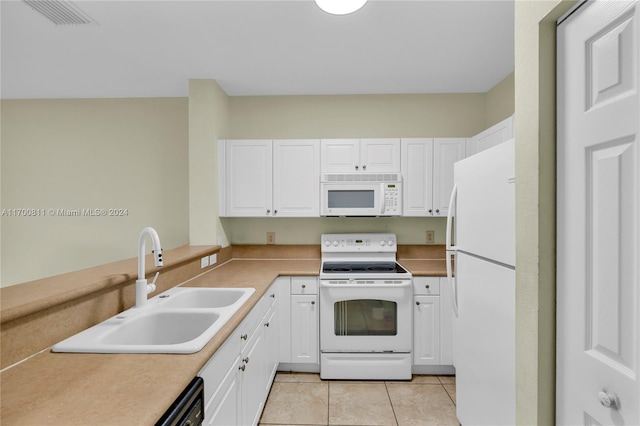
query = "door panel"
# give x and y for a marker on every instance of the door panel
(598, 218)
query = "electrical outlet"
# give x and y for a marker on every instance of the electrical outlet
(213, 259)
(204, 262)
(271, 237)
(430, 237)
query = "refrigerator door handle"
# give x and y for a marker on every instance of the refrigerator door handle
(452, 200)
(450, 250)
(452, 284)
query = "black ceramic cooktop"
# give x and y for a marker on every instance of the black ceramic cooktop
(362, 267)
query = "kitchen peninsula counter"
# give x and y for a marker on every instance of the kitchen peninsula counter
(115, 389)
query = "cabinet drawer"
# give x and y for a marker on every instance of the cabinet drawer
(304, 285)
(428, 286)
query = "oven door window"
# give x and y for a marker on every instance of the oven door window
(365, 317)
(351, 198)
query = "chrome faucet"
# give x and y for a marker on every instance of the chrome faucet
(142, 288)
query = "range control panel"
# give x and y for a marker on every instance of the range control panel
(368, 243)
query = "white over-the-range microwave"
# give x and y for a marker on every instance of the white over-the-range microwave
(361, 194)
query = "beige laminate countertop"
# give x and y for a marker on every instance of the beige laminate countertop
(116, 389)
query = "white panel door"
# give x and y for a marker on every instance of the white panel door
(304, 328)
(248, 167)
(426, 332)
(417, 176)
(446, 151)
(296, 178)
(598, 222)
(340, 155)
(380, 155)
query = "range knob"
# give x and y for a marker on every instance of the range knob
(383, 243)
(390, 243)
(327, 243)
(335, 243)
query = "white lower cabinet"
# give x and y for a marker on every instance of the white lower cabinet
(432, 325)
(238, 377)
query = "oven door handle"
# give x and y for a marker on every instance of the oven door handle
(368, 285)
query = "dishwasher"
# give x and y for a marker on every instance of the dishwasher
(188, 408)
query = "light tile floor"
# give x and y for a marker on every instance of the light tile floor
(305, 399)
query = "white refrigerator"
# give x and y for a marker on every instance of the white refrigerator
(481, 244)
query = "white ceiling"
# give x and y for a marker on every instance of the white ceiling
(152, 48)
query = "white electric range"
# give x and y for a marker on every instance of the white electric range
(365, 309)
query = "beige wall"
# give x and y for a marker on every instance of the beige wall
(535, 209)
(500, 101)
(353, 116)
(208, 122)
(88, 154)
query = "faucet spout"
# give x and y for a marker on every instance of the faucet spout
(142, 288)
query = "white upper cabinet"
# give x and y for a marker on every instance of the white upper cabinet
(264, 178)
(296, 178)
(427, 174)
(494, 135)
(248, 174)
(360, 155)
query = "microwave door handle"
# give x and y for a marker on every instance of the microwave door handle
(382, 198)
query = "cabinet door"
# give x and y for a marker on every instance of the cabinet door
(223, 409)
(272, 346)
(417, 172)
(426, 323)
(340, 155)
(248, 173)
(494, 135)
(252, 397)
(304, 328)
(446, 151)
(380, 155)
(296, 178)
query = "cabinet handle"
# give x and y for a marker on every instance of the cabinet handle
(437, 210)
(245, 360)
(304, 286)
(313, 302)
(266, 324)
(244, 337)
(272, 295)
(608, 400)
(242, 367)
(418, 303)
(275, 212)
(357, 167)
(430, 210)
(426, 286)
(364, 167)
(268, 211)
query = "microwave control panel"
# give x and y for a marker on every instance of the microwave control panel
(392, 198)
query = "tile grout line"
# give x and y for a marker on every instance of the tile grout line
(395, 417)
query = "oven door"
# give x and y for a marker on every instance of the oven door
(365, 317)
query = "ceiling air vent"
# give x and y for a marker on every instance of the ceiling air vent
(61, 12)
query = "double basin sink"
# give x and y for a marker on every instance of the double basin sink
(180, 320)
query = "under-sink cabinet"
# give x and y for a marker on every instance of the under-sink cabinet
(238, 377)
(432, 326)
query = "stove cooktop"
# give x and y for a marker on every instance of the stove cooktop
(341, 267)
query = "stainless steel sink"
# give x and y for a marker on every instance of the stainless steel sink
(181, 320)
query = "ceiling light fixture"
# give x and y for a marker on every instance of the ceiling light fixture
(340, 7)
